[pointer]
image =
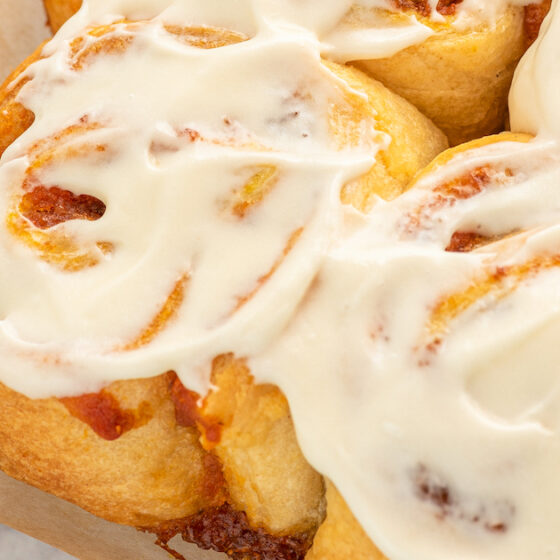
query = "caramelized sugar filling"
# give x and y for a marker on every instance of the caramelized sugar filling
(104, 415)
(467, 241)
(224, 529)
(38, 208)
(167, 312)
(498, 282)
(446, 195)
(189, 412)
(46, 207)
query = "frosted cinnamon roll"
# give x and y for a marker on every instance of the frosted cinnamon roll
(461, 74)
(232, 245)
(169, 192)
(453, 59)
(457, 283)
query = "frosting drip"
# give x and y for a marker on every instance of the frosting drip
(417, 350)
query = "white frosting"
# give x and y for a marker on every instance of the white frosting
(438, 426)
(533, 97)
(347, 29)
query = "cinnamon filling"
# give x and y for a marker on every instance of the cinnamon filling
(534, 16)
(494, 516)
(103, 414)
(467, 241)
(423, 8)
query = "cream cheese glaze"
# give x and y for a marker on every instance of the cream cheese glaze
(439, 427)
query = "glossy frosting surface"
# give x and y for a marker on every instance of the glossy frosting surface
(422, 378)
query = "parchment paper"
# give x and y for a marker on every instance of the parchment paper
(23, 27)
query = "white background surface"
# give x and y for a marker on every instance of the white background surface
(17, 546)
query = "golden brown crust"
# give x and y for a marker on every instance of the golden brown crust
(258, 449)
(341, 536)
(415, 141)
(224, 529)
(460, 80)
(422, 7)
(16, 119)
(46, 446)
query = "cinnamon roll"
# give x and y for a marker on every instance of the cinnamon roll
(169, 191)
(461, 74)
(453, 59)
(251, 301)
